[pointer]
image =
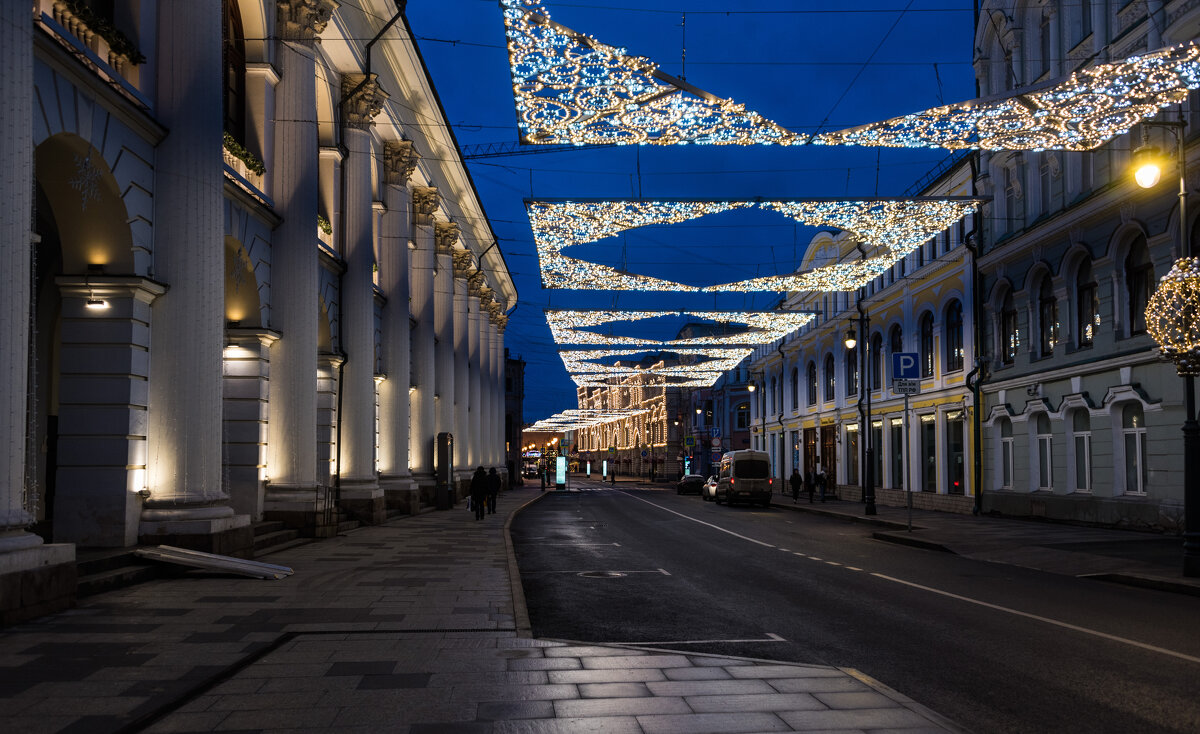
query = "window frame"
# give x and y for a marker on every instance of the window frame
(927, 345)
(954, 352)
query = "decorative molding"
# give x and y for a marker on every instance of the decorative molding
(400, 158)
(475, 283)
(362, 99)
(1127, 212)
(464, 261)
(303, 20)
(425, 202)
(445, 236)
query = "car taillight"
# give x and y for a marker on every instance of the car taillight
(731, 481)
(770, 481)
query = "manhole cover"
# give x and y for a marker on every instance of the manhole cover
(602, 574)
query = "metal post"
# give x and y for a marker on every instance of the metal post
(907, 467)
(1191, 429)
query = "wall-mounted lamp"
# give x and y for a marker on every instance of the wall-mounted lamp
(851, 339)
(751, 387)
(95, 304)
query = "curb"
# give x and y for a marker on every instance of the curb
(520, 610)
(909, 540)
(905, 701)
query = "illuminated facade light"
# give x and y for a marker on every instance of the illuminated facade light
(570, 88)
(890, 227)
(1080, 112)
(1173, 315)
(568, 327)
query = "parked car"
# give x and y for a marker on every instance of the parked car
(708, 492)
(690, 484)
(745, 477)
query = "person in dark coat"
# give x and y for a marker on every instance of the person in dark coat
(493, 490)
(479, 492)
(797, 483)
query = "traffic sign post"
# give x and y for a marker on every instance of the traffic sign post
(906, 381)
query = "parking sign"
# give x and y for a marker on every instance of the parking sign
(905, 366)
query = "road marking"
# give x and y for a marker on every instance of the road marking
(771, 637)
(578, 545)
(853, 568)
(709, 524)
(833, 563)
(1047, 620)
(663, 571)
(592, 570)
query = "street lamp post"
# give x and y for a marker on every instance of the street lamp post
(1172, 319)
(867, 456)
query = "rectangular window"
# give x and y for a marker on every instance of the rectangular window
(852, 455)
(1006, 462)
(955, 471)
(1012, 337)
(928, 453)
(1083, 462)
(1044, 464)
(876, 447)
(899, 481)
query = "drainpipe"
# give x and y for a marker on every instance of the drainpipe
(979, 374)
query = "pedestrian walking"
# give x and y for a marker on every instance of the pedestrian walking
(493, 490)
(479, 492)
(821, 480)
(613, 476)
(810, 482)
(797, 482)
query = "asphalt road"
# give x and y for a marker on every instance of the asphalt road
(995, 648)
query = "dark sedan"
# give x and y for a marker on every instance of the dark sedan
(690, 484)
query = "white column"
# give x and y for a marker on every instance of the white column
(293, 481)
(474, 328)
(400, 160)
(187, 333)
(360, 494)
(246, 394)
(462, 425)
(488, 306)
(445, 236)
(496, 428)
(424, 423)
(20, 550)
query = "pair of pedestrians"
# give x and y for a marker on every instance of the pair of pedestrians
(485, 487)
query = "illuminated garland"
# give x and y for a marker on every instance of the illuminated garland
(1081, 112)
(570, 88)
(1173, 315)
(566, 327)
(892, 227)
(578, 361)
(577, 418)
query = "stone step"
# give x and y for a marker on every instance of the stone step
(264, 541)
(111, 579)
(268, 526)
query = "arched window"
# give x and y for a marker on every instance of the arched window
(875, 357)
(852, 372)
(812, 383)
(1087, 306)
(1010, 333)
(1047, 318)
(1133, 431)
(742, 415)
(772, 398)
(1044, 31)
(1139, 279)
(1044, 452)
(896, 339)
(233, 53)
(954, 336)
(1081, 441)
(927, 344)
(829, 377)
(795, 388)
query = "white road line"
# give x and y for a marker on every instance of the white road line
(663, 571)
(771, 637)
(578, 545)
(833, 563)
(1047, 620)
(686, 517)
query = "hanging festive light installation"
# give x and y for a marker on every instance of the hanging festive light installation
(572, 89)
(1081, 112)
(576, 418)
(892, 227)
(578, 361)
(567, 327)
(1173, 315)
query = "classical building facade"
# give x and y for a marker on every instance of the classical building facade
(199, 336)
(806, 411)
(514, 410)
(1081, 417)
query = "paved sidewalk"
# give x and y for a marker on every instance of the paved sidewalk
(414, 626)
(1122, 556)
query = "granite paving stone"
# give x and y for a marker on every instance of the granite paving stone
(593, 725)
(755, 702)
(855, 700)
(614, 690)
(740, 723)
(726, 687)
(607, 675)
(871, 719)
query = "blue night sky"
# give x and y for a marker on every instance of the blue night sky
(806, 65)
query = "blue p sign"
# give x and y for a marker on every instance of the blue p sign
(904, 366)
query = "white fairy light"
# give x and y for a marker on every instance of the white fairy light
(572, 89)
(567, 327)
(891, 227)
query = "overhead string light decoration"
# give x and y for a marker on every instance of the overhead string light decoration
(572, 89)
(576, 418)
(567, 327)
(1081, 112)
(893, 227)
(716, 362)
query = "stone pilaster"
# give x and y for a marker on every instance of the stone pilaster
(359, 492)
(463, 265)
(486, 303)
(445, 237)
(495, 377)
(187, 504)
(246, 395)
(501, 447)
(396, 228)
(294, 486)
(422, 404)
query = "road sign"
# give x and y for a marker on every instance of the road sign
(716, 443)
(716, 456)
(612, 449)
(645, 454)
(689, 440)
(716, 432)
(906, 386)
(905, 366)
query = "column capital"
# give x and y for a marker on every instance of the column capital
(501, 322)
(485, 298)
(425, 202)
(303, 20)
(363, 99)
(475, 284)
(464, 262)
(445, 236)
(400, 158)
(494, 311)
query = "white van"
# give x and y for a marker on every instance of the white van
(745, 477)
